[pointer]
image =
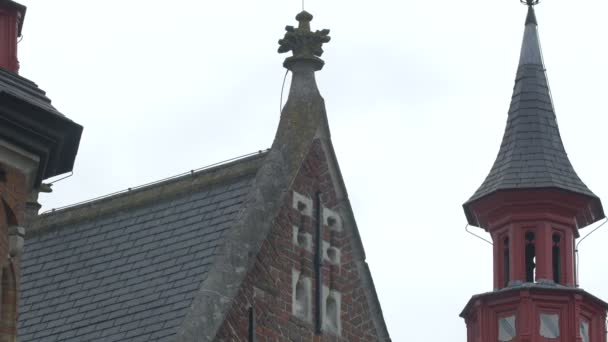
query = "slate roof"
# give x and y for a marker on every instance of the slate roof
(25, 90)
(532, 154)
(126, 268)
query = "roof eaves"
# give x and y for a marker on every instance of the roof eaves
(532, 287)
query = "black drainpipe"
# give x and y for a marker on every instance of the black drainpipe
(318, 266)
(251, 334)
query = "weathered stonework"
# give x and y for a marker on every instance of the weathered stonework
(269, 284)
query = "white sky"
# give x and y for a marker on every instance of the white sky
(417, 94)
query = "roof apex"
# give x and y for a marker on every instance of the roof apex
(307, 46)
(532, 154)
(530, 47)
(303, 116)
(531, 18)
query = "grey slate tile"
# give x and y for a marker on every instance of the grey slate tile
(130, 277)
(531, 138)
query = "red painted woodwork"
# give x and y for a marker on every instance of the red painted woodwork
(542, 223)
(483, 312)
(543, 212)
(11, 19)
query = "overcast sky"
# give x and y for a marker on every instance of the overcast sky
(417, 94)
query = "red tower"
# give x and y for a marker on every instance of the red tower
(533, 204)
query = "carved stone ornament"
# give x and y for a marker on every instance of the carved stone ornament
(16, 236)
(305, 44)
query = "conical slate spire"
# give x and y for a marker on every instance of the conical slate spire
(530, 48)
(532, 154)
(531, 18)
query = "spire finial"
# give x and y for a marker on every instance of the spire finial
(305, 44)
(531, 18)
(530, 2)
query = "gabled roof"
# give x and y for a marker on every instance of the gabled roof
(128, 267)
(532, 154)
(225, 214)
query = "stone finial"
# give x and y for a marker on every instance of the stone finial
(530, 2)
(305, 44)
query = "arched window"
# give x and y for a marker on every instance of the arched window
(506, 265)
(301, 301)
(331, 318)
(530, 257)
(557, 263)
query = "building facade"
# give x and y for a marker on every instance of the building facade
(261, 248)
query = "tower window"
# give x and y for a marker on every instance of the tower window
(557, 264)
(530, 257)
(506, 328)
(506, 261)
(584, 327)
(549, 325)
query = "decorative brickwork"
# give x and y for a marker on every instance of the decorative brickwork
(268, 285)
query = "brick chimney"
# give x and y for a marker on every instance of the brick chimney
(11, 23)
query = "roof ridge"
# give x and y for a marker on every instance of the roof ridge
(186, 182)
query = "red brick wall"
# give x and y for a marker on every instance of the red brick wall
(13, 196)
(269, 284)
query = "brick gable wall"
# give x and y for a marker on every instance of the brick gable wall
(287, 256)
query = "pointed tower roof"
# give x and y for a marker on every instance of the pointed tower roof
(532, 155)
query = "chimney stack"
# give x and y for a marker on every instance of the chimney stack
(11, 23)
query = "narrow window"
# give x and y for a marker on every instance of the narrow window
(506, 328)
(530, 257)
(301, 296)
(557, 265)
(549, 325)
(506, 261)
(584, 327)
(331, 317)
(332, 313)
